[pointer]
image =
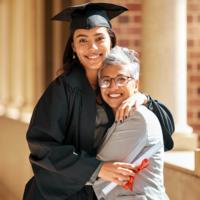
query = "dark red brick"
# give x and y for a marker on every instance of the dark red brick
(123, 19)
(189, 66)
(124, 43)
(134, 7)
(194, 102)
(134, 30)
(137, 19)
(190, 115)
(190, 42)
(136, 43)
(194, 55)
(195, 78)
(189, 19)
(198, 90)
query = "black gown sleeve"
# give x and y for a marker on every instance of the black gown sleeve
(58, 170)
(166, 121)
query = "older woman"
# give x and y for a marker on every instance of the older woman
(138, 135)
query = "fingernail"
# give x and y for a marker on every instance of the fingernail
(126, 116)
(121, 121)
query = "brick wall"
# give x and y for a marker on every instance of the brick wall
(193, 56)
(128, 26)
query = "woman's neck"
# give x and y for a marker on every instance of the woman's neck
(114, 110)
(92, 78)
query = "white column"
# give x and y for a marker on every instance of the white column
(4, 52)
(16, 59)
(34, 56)
(164, 56)
(30, 59)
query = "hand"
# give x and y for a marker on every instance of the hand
(117, 172)
(132, 102)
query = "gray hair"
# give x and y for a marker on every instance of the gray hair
(125, 57)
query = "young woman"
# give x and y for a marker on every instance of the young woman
(68, 124)
(139, 137)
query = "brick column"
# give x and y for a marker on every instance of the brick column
(193, 58)
(164, 61)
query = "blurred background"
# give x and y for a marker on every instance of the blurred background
(165, 33)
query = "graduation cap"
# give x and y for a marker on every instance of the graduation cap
(90, 15)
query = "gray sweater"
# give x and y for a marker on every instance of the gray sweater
(136, 135)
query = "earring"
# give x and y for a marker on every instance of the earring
(74, 55)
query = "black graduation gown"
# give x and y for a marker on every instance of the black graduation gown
(60, 138)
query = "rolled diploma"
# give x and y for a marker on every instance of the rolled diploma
(150, 152)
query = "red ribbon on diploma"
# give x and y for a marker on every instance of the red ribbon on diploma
(129, 185)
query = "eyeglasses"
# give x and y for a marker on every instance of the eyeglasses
(119, 81)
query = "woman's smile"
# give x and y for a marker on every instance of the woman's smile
(91, 46)
(94, 57)
(115, 95)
